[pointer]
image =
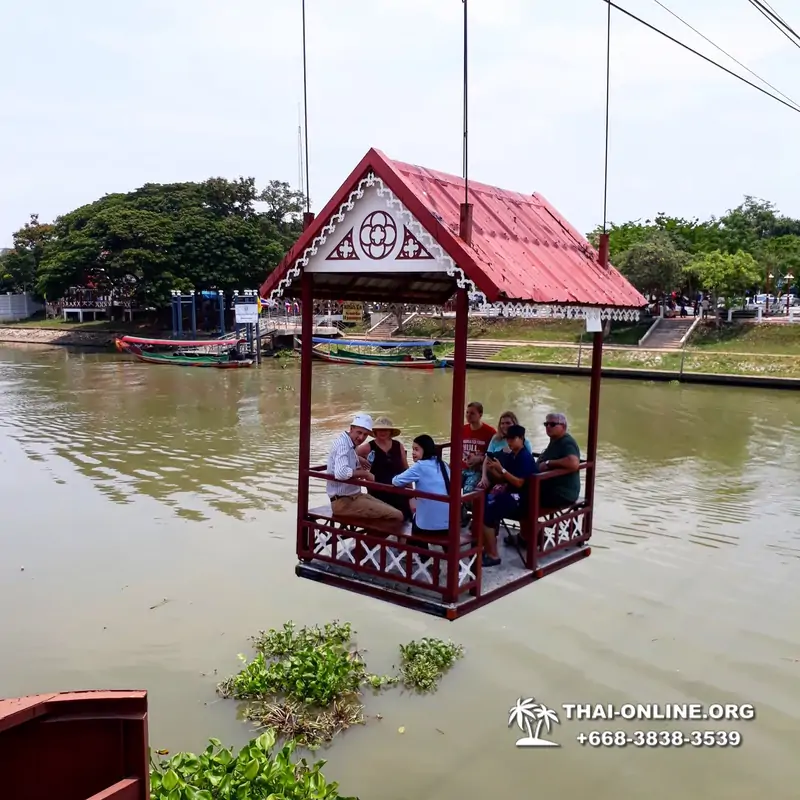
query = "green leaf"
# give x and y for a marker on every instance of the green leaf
(266, 741)
(170, 780)
(251, 769)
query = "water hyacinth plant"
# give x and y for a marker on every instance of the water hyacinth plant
(255, 773)
(307, 683)
(424, 662)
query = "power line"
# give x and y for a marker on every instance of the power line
(608, 104)
(705, 58)
(775, 20)
(466, 115)
(777, 16)
(305, 109)
(725, 52)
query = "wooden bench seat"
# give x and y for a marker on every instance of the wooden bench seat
(399, 529)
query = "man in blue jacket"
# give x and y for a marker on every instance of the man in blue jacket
(508, 499)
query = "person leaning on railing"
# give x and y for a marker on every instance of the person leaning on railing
(561, 453)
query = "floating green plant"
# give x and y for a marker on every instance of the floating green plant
(307, 682)
(254, 773)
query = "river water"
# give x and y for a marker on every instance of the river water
(125, 485)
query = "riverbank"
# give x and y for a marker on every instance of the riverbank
(59, 336)
(661, 375)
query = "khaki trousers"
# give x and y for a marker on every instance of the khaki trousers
(366, 507)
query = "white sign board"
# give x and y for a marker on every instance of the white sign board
(246, 313)
(594, 324)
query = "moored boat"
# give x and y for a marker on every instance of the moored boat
(185, 353)
(402, 354)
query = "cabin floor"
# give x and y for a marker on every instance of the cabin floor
(495, 580)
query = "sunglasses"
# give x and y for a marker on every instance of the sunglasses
(551, 424)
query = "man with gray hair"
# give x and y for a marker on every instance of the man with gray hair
(347, 499)
(561, 453)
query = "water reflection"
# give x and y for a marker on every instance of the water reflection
(126, 484)
(676, 462)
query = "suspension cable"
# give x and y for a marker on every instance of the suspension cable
(725, 52)
(608, 100)
(465, 161)
(704, 57)
(305, 109)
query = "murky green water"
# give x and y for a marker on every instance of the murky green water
(125, 484)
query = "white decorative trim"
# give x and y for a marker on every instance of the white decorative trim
(433, 247)
(371, 555)
(422, 568)
(466, 569)
(525, 310)
(556, 311)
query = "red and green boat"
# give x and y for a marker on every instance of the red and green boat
(180, 353)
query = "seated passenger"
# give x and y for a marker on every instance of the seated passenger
(343, 464)
(477, 435)
(428, 474)
(499, 444)
(562, 453)
(386, 457)
(509, 498)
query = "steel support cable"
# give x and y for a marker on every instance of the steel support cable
(700, 55)
(725, 52)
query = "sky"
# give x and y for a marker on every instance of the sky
(99, 96)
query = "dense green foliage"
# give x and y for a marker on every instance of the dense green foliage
(424, 662)
(307, 682)
(207, 235)
(726, 255)
(255, 773)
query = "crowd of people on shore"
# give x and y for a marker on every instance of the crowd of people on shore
(499, 461)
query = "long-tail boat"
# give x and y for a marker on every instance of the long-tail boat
(199, 353)
(406, 355)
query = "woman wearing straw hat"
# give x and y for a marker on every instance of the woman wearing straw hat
(387, 458)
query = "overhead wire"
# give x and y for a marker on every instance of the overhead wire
(724, 52)
(465, 160)
(771, 17)
(700, 55)
(608, 103)
(305, 110)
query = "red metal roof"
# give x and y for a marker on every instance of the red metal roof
(522, 249)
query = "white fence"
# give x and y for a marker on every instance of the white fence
(14, 307)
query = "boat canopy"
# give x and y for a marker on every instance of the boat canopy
(182, 342)
(370, 343)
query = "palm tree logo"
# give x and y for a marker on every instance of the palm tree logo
(526, 711)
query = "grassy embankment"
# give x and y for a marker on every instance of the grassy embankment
(739, 349)
(522, 330)
(90, 326)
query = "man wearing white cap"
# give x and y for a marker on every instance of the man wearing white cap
(343, 464)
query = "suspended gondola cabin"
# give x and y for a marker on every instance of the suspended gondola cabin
(397, 233)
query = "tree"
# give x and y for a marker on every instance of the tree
(725, 274)
(777, 257)
(173, 236)
(284, 204)
(654, 264)
(19, 266)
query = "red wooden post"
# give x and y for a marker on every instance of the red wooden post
(594, 395)
(457, 442)
(304, 457)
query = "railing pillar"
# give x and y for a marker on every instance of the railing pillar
(457, 442)
(306, 361)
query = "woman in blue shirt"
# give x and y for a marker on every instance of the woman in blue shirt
(428, 474)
